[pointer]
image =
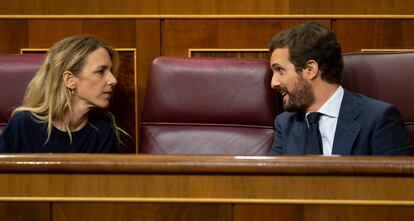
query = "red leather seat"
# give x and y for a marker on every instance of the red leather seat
(208, 106)
(384, 76)
(16, 71)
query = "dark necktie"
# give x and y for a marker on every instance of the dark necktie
(313, 136)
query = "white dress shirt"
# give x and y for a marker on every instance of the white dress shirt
(329, 119)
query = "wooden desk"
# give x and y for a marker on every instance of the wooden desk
(155, 187)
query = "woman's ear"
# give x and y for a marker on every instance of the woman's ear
(70, 80)
(312, 69)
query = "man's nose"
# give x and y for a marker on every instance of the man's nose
(275, 83)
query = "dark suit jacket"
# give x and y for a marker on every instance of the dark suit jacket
(365, 127)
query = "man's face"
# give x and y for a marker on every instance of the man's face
(296, 91)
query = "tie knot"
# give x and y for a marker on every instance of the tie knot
(313, 117)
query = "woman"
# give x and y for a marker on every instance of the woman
(63, 108)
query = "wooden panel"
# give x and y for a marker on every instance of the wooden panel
(181, 35)
(355, 35)
(235, 7)
(247, 212)
(203, 187)
(123, 105)
(224, 7)
(140, 211)
(144, 7)
(259, 53)
(318, 180)
(18, 211)
(118, 33)
(148, 43)
(268, 212)
(13, 35)
(44, 33)
(128, 187)
(352, 7)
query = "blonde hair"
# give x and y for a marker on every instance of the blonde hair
(47, 98)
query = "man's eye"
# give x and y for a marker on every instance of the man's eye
(278, 70)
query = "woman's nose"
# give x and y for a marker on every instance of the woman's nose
(112, 80)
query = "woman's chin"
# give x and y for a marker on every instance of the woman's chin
(102, 105)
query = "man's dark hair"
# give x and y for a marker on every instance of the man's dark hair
(312, 41)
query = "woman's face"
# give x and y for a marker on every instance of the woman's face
(95, 82)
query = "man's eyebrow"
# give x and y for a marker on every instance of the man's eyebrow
(277, 65)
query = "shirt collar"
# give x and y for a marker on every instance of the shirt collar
(333, 104)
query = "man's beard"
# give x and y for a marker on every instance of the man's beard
(300, 98)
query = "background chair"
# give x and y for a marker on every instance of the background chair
(385, 76)
(16, 71)
(208, 106)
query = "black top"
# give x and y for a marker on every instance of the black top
(23, 134)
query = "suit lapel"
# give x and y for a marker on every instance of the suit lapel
(297, 134)
(347, 128)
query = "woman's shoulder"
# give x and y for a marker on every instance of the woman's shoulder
(22, 117)
(24, 120)
(22, 134)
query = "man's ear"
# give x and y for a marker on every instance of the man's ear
(312, 69)
(70, 80)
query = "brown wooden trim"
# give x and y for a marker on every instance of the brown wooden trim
(191, 50)
(216, 16)
(188, 164)
(208, 200)
(386, 50)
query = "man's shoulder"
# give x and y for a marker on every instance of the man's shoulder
(372, 110)
(370, 104)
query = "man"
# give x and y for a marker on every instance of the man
(321, 116)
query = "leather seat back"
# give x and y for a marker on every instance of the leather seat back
(208, 106)
(16, 71)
